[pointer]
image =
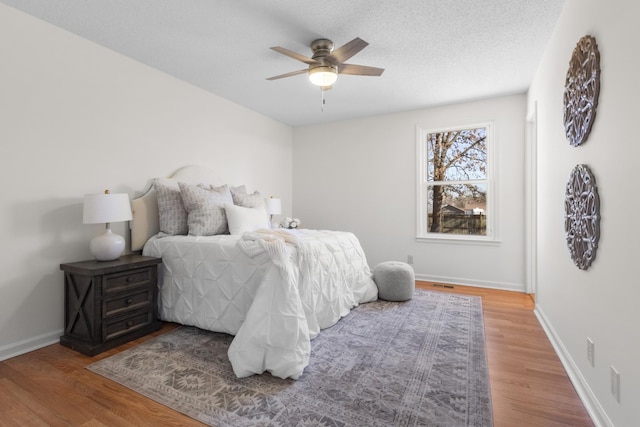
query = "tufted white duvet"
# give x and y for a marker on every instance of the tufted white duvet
(273, 292)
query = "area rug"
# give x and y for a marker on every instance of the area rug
(415, 363)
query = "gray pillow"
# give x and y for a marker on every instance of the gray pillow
(171, 211)
(255, 200)
(239, 189)
(205, 209)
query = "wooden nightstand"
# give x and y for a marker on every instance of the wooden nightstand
(108, 303)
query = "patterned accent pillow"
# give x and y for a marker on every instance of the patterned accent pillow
(255, 200)
(205, 208)
(171, 211)
(239, 189)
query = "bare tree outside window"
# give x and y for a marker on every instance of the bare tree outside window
(456, 180)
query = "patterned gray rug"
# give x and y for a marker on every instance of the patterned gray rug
(417, 363)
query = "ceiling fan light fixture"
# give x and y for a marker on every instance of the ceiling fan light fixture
(323, 75)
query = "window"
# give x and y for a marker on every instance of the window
(455, 183)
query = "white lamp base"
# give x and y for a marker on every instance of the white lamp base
(107, 247)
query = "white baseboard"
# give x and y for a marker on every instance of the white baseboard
(517, 287)
(25, 346)
(591, 403)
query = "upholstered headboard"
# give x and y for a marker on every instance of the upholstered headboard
(145, 222)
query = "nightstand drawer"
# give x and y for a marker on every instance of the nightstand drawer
(123, 304)
(117, 327)
(121, 282)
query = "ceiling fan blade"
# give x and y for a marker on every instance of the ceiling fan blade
(295, 55)
(360, 70)
(293, 73)
(346, 51)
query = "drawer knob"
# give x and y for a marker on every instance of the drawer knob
(129, 323)
(129, 301)
(129, 279)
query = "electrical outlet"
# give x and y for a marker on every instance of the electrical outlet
(615, 383)
(410, 259)
(591, 351)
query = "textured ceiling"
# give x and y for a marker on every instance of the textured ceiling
(434, 51)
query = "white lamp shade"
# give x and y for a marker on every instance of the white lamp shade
(106, 208)
(274, 206)
(323, 76)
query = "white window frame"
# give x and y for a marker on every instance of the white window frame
(422, 232)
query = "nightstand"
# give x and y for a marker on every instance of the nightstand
(108, 303)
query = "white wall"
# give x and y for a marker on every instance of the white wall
(77, 118)
(360, 176)
(602, 302)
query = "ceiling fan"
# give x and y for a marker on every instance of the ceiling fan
(326, 63)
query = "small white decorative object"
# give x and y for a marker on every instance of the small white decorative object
(291, 223)
(106, 208)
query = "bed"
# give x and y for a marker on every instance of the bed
(274, 290)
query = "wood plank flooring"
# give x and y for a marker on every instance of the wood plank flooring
(529, 387)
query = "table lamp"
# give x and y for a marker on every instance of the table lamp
(106, 208)
(274, 207)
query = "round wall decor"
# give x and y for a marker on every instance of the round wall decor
(581, 90)
(582, 216)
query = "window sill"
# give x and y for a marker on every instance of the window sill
(452, 240)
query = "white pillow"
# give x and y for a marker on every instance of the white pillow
(243, 219)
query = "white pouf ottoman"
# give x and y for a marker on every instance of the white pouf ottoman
(396, 280)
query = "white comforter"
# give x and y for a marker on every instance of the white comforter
(273, 292)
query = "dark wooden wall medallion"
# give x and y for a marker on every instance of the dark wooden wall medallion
(581, 90)
(582, 216)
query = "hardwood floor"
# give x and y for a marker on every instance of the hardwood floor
(529, 387)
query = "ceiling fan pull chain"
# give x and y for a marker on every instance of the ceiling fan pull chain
(322, 102)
